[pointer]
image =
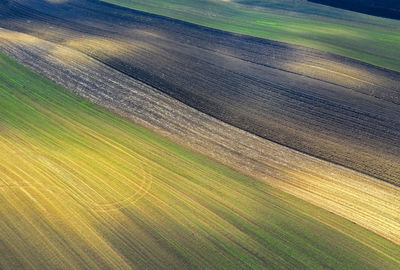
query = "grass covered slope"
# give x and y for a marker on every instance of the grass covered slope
(83, 188)
(298, 22)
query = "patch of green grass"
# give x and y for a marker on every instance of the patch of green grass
(370, 39)
(265, 23)
(83, 188)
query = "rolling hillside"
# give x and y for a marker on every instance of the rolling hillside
(83, 188)
(331, 107)
(130, 140)
(364, 200)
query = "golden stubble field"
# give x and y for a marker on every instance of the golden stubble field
(81, 187)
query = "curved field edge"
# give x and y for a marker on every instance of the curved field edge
(328, 29)
(364, 200)
(61, 151)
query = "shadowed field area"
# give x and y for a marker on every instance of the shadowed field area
(325, 105)
(82, 188)
(383, 8)
(299, 22)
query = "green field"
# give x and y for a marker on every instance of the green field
(370, 39)
(83, 188)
